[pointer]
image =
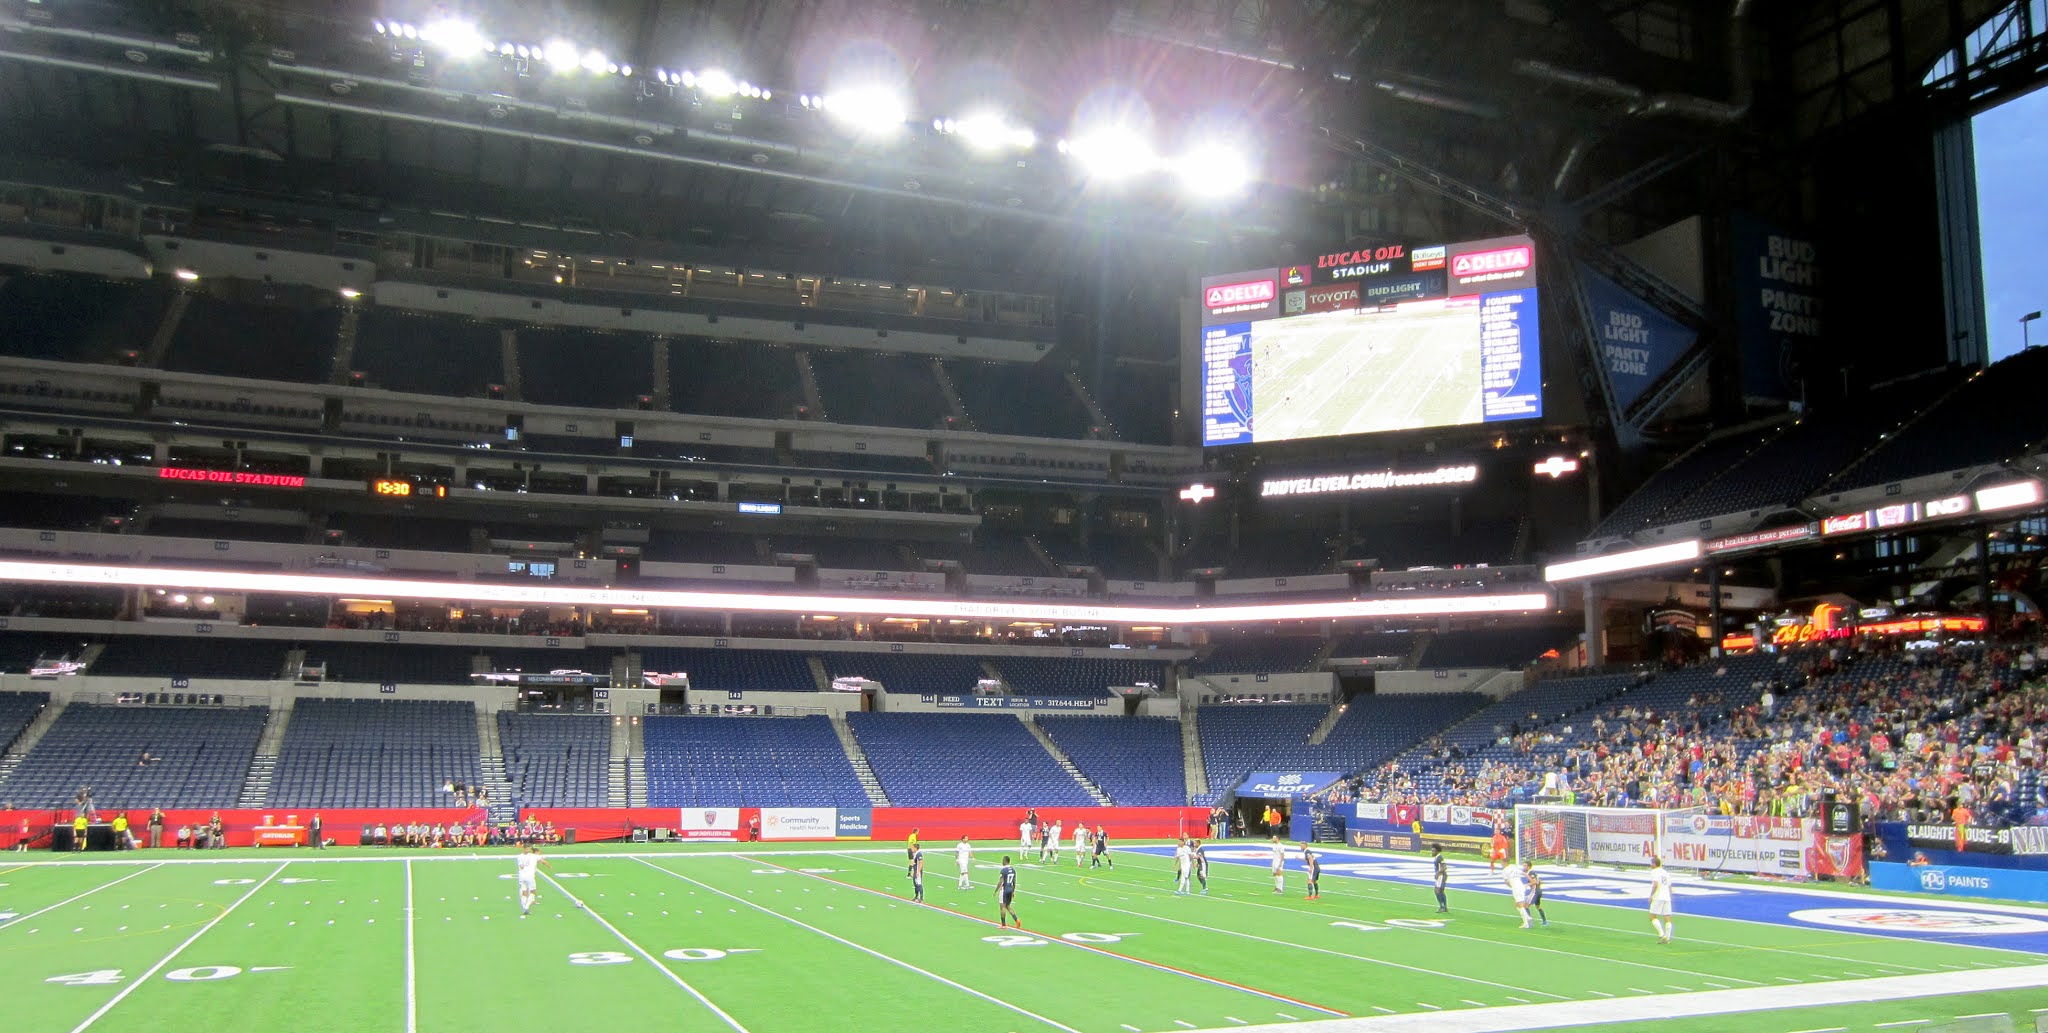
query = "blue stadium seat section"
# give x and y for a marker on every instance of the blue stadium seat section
(1259, 654)
(1237, 739)
(1135, 760)
(557, 760)
(1016, 398)
(1990, 418)
(19, 650)
(914, 673)
(202, 754)
(758, 670)
(1688, 474)
(748, 762)
(260, 339)
(877, 389)
(1075, 676)
(1508, 647)
(133, 655)
(757, 381)
(426, 354)
(1374, 730)
(585, 368)
(376, 753)
(76, 318)
(17, 711)
(963, 760)
(392, 664)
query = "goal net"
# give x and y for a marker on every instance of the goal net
(1621, 836)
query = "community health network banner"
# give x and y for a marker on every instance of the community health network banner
(799, 823)
(1638, 344)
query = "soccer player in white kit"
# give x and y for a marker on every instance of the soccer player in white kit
(1518, 884)
(1058, 830)
(1279, 866)
(1024, 835)
(1183, 868)
(965, 853)
(529, 862)
(1660, 901)
(1081, 844)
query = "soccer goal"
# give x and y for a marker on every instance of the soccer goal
(1623, 836)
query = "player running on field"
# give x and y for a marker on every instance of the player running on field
(529, 863)
(1202, 867)
(917, 875)
(1102, 850)
(1499, 854)
(1279, 866)
(1441, 877)
(1535, 891)
(964, 853)
(1183, 868)
(1519, 887)
(1314, 865)
(1660, 901)
(1006, 895)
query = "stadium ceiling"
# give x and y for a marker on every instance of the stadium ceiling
(334, 103)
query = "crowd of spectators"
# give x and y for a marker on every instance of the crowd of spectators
(1912, 734)
(477, 832)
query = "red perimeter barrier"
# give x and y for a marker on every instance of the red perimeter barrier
(343, 825)
(598, 824)
(933, 824)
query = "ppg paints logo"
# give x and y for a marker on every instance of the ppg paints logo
(1933, 880)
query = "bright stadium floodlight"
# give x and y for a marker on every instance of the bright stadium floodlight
(1212, 171)
(187, 275)
(713, 82)
(560, 53)
(1111, 155)
(869, 110)
(594, 61)
(989, 133)
(458, 38)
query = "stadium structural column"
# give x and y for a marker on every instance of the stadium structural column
(1714, 609)
(1984, 578)
(1596, 644)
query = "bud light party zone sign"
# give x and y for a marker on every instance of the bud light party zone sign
(1370, 339)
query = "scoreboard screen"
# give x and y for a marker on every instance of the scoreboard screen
(1377, 339)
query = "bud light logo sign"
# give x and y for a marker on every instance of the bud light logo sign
(1239, 297)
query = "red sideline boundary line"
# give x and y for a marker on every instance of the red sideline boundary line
(1268, 994)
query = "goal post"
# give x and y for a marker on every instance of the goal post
(1621, 836)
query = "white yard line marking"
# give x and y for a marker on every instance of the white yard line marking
(1824, 1029)
(651, 959)
(1983, 1015)
(412, 998)
(1909, 1022)
(1734, 1001)
(1601, 993)
(1640, 990)
(1519, 1000)
(1183, 1024)
(1092, 949)
(1383, 1011)
(1132, 1028)
(175, 951)
(871, 952)
(1451, 935)
(1233, 1018)
(81, 896)
(1287, 943)
(1426, 1004)
(1473, 1003)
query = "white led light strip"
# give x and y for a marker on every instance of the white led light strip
(759, 602)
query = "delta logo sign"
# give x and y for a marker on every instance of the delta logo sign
(1507, 260)
(1239, 297)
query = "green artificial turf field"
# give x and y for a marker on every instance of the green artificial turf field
(823, 938)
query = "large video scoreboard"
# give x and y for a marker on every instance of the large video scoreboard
(1375, 339)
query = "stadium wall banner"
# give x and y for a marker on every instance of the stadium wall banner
(1778, 307)
(999, 824)
(1022, 702)
(342, 824)
(2020, 846)
(597, 824)
(1378, 834)
(853, 823)
(1287, 785)
(1638, 344)
(1752, 845)
(708, 822)
(799, 823)
(1961, 881)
